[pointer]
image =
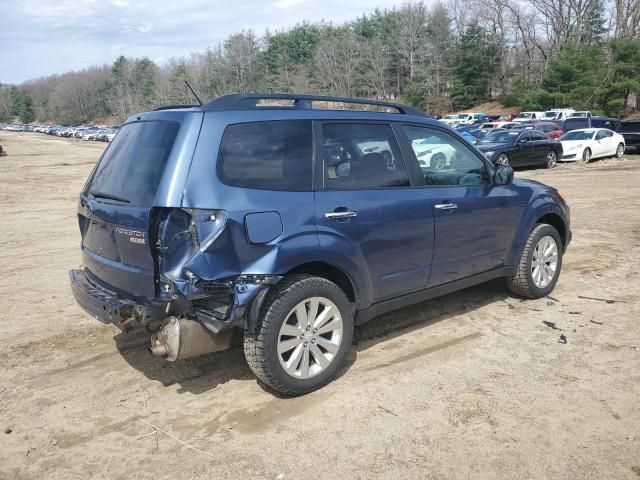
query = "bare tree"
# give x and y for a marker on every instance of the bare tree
(241, 59)
(335, 59)
(627, 19)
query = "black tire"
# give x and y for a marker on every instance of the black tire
(260, 348)
(620, 150)
(551, 159)
(521, 282)
(586, 155)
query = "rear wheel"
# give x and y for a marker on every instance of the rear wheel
(503, 159)
(540, 264)
(586, 155)
(552, 159)
(303, 336)
(620, 150)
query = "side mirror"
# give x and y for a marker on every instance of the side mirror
(503, 174)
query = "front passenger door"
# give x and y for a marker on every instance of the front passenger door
(600, 145)
(475, 220)
(524, 150)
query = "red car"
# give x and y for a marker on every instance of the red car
(551, 129)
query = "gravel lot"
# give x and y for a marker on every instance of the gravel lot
(471, 385)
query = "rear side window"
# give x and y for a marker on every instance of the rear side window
(361, 156)
(538, 136)
(132, 166)
(273, 155)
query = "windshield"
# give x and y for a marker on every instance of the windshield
(131, 168)
(577, 135)
(450, 117)
(524, 115)
(501, 136)
(463, 116)
(550, 114)
(578, 114)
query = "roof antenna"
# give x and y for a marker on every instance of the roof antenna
(194, 93)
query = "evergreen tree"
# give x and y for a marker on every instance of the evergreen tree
(474, 65)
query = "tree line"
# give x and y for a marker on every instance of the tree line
(442, 56)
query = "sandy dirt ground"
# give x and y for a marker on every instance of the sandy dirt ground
(471, 385)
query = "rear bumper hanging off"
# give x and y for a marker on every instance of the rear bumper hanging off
(107, 307)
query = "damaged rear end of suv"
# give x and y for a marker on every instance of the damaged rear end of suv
(153, 259)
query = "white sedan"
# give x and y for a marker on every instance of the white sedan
(589, 143)
(432, 153)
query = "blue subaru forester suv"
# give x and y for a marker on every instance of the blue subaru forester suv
(292, 220)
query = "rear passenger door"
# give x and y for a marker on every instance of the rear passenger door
(540, 147)
(367, 212)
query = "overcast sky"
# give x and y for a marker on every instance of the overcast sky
(39, 38)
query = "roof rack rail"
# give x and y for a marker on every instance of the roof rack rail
(248, 101)
(171, 107)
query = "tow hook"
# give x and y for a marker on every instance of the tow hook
(181, 338)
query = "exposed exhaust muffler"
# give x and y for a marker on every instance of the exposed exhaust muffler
(181, 338)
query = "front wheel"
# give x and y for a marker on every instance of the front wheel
(540, 264)
(586, 155)
(439, 161)
(303, 336)
(620, 150)
(552, 159)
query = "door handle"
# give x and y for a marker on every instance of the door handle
(339, 215)
(445, 206)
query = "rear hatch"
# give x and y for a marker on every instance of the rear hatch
(116, 208)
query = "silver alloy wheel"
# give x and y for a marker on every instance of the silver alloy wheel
(310, 337)
(552, 158)
(502, 159)
(544, 262)
(586, 156)
(620, 151)
(439, 161)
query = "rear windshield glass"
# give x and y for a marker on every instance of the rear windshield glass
(275, 155)
(575, 123)
(132, 166)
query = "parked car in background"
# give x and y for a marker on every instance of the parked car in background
(470, 118)
(520, 148)
(507, 118)
(432, 153)
(449, 119)
(630, 130)
(558, 113)
(591, 143)
(551, 129)
(581, 114)
(495, 124)
(528, 116)
(577, 123)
